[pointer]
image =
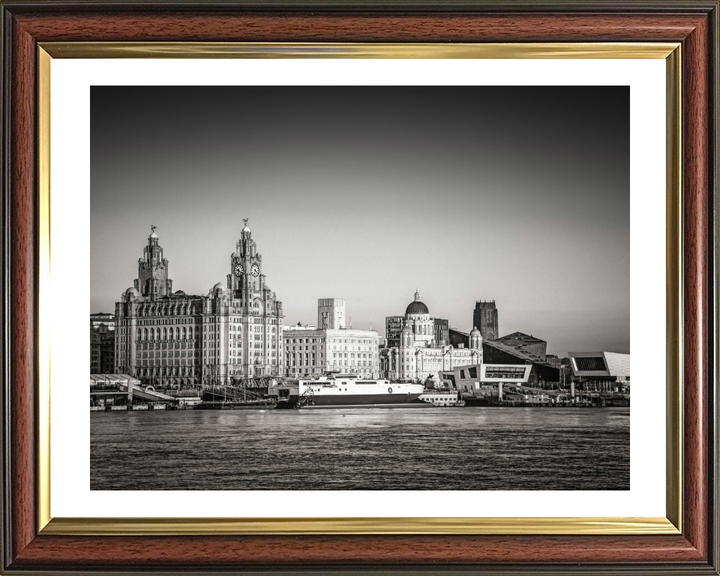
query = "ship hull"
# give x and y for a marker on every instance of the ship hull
(362, 399)
(354, 400)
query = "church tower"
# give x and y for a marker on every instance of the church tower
(152, 278)
(485, 319)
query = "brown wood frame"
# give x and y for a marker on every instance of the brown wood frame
(693, 23)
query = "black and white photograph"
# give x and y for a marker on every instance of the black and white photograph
(360, 288)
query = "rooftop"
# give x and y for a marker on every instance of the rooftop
(521, 338)
(517, 352)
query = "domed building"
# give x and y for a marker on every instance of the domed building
(417, 318)
(418, 346)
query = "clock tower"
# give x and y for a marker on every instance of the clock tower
(246, 275)
(244, 322)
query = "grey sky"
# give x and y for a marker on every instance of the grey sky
(517, 194)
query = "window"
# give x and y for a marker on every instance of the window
(590, 364)
(505, 372)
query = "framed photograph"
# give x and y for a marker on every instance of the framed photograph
(432, 231)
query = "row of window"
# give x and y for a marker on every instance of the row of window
(176, 310)
(155, 322)
(176, 354)
(166, 345)
(166, 333)
(170, 362)
(331, 340)
(299, 361)
(167, 371)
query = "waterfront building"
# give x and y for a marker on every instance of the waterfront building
(418, 355)
(312, 351)
(172, 339)
(475, 379)
(485, 319)
(601, 371)
(488, 383)
(435, 330)
(517, 348)
(102, 343)
(542, 374)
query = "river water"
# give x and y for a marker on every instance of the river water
(472, 448)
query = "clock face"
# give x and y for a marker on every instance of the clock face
(255, 270)
(238, 270)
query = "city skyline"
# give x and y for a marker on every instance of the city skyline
(371, 193)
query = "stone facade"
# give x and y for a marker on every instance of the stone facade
(423, 327)
(418, 356)
(172, 339)
(312, 352)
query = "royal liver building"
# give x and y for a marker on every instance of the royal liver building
(172, 339)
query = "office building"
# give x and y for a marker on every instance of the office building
(173, 339)
(312, 351)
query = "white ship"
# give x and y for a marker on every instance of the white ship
(347, 390)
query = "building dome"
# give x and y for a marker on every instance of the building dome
(131, 293)
(417, 307)
(218, 286)
(475, 331)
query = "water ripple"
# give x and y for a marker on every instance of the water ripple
(477, 448)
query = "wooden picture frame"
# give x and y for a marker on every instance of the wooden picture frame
(30, 544)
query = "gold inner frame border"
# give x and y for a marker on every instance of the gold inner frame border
(671, 524)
